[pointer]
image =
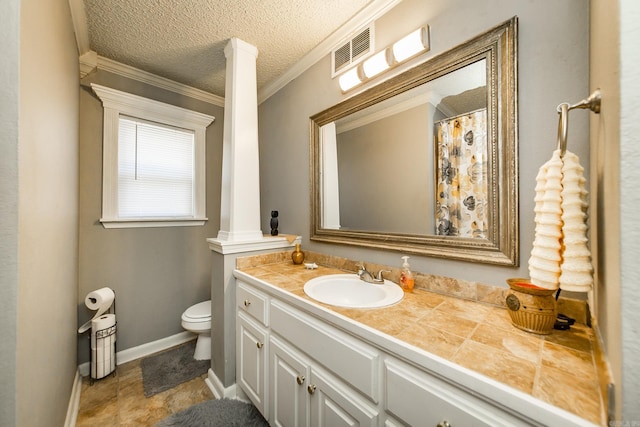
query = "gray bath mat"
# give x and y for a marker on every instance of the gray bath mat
(166, 370)
(218, 413)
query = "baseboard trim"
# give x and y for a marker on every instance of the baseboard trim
(74, 401)
(216, 387)
(143, 350)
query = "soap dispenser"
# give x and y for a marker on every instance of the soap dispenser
(406, 277)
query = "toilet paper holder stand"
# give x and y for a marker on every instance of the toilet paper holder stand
(102, 334)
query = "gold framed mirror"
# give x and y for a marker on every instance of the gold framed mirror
(426, 162)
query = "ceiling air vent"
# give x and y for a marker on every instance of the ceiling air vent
(348, 53)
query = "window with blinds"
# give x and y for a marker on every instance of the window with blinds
(155, 170)
(153, 162)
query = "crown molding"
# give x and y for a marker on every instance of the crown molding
(370, 13)
(90, 60)
(80, 27)
(106, 64)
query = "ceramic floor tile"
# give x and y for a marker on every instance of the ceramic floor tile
(184, 395)
(104, 413)
(118, 400)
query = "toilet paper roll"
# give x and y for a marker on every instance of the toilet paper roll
(99, 324)
(99, 300)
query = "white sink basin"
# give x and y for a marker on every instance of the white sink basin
(347, 290)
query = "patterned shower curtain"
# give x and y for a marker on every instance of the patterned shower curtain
(461, 187)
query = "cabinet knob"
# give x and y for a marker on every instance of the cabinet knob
(300, 379)
(247, 303)
(311, 388)
(444, 423)
(259, 344)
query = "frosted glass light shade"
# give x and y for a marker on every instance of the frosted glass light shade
(376, 64)
(349, 79)
(410, 44)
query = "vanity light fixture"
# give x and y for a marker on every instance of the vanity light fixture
(411, 44)
(378, 63)
(350, 79)
(407, 47)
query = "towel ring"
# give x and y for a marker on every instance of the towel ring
(592, 103)
(563, 127)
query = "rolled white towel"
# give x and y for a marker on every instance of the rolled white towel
(549, 230)
(551, 253)
(543, 264)
(576, 267)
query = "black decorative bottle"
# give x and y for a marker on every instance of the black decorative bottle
(274, 223)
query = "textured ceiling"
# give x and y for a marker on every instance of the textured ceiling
(183, 40)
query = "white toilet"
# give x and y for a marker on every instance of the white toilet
(197, 319)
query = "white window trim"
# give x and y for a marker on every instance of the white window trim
(116, 103)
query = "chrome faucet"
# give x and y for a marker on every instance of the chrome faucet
(367, 276)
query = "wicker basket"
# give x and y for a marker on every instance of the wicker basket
(531, 308)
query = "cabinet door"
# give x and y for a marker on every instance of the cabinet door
(332, 404)
(251, 361)
(288, 381)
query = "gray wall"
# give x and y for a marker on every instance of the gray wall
(156, 272)
(630, 241)
(9, 143)
(384, 169)
(553, 57)
(48, 214)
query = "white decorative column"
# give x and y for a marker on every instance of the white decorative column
(240, 231)
(330, 186)
(240, 204)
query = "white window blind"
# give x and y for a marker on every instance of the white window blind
(155, 170)
(153, 162)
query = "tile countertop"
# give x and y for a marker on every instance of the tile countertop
(560, 368)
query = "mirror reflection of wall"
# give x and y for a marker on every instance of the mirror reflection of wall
(387, 172)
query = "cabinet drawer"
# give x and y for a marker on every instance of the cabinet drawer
(351, 360)
(252, 302)
(417, 398)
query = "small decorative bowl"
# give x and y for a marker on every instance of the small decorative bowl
(531, 308)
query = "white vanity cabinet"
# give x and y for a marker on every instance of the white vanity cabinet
(252, 346)
(305, 359)
(306, 366)
(303, 394)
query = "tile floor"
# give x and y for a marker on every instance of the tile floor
(118, 400)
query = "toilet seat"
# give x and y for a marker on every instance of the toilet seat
(197, 313)
(197, 318)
